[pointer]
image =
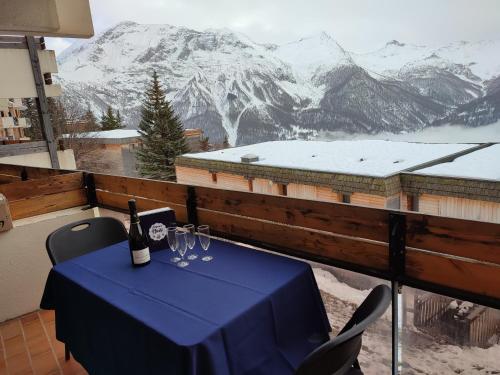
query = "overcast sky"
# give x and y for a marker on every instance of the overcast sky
(358, 25)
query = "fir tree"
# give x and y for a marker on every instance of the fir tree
(225, 143)
(109, 120)
(162, 135)
(204, 144)
(119, 120)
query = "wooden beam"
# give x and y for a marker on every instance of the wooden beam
(120, 202)
(473, 277)
(356, 221)
(47, 203)
(33, 172)
(465, 238)
(23, 148)
(321, 245)
(39, 187)
(141, 187)
(7, 179)
(42, 104)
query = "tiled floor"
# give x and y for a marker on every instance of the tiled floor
(28, 346)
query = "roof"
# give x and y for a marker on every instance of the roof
(121, 135)
(374, 158)
(482, 164)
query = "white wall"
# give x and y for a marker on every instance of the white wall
(42, 160)
(24, 263)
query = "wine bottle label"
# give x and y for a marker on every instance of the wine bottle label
(141, 256)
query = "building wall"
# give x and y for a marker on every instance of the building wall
(42, 160)
(458, 207)
(24, 264)
(201, 177)
(104, 159)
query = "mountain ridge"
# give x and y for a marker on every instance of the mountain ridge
(227, 84)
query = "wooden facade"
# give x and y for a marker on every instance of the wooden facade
(473, 209)
(230, 181)
(450, 197)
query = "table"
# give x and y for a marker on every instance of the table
(246, 312)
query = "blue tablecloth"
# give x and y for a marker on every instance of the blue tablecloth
(246, 312)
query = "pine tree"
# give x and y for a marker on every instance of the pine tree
(225, 143)
(162, 135)
(108, 120)
(204, 144)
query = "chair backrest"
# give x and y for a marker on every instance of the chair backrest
(84, 236)
(337, 356)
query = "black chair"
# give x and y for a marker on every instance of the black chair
(340, 355)
(82, 237)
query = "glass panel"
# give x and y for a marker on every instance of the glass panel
(443, 335)
(342, 292)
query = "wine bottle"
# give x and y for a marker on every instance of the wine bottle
(137, 241)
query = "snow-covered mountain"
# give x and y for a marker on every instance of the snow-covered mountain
(225, 83)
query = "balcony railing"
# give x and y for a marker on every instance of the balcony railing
(452, 257)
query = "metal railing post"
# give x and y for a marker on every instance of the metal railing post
(397, 250)
(191, 206)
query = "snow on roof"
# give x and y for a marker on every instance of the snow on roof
(107, 134)
(117, 134)
(481, 164)
(365, 157)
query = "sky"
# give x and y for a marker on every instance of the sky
(358, 25)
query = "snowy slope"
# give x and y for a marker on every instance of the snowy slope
(480, 57)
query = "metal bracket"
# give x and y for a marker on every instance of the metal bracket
(24, 174)
(397, 244)
(91, 192)
(191, 206)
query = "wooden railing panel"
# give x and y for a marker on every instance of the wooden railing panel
(33, 172)
(300, 240)
(140, 187)
(47, 203)
(7, 179)
(480, 278)
(355, 221)
(23, 148)
(32, 188)
(466, 238)
(120, 202)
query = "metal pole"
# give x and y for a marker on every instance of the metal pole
(395, 327)
(41, 101)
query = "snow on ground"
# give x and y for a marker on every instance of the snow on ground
(442, 134)
(368, 158)
(421, 354)
(481, 164)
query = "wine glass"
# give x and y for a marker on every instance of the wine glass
(204, 236)
(172, 242)
(190, 238)
(180, 237)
